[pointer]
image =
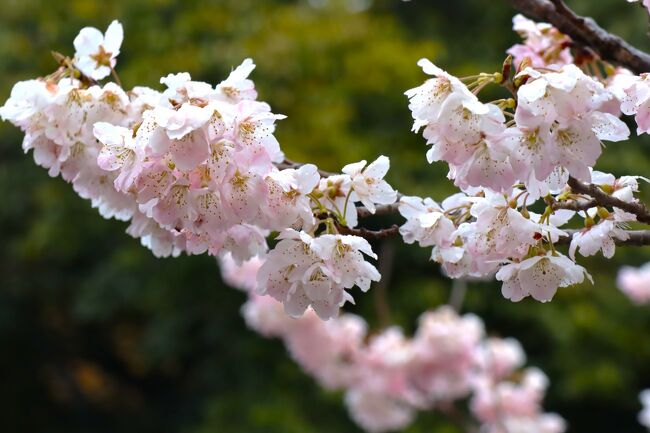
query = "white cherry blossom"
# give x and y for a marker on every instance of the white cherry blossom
(369, 185)
(540, 277)
(96, 53)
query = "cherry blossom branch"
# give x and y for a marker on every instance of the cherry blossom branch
(585, 31)
(603, 199)
(380, 210)
(370, 234)
(361, 211)
(636, 238)
(574, 205)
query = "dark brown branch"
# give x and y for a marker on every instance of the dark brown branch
(380, 210)
(603, 199)
(370, 234)
(585, 31)
(638, 238)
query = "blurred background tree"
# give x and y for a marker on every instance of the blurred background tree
(100, 336)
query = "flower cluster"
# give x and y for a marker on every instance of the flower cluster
(388, 377)
(512, 156)
(196, 168)
(303, 271)
(543, 45)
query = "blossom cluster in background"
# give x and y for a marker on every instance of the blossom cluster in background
(388, 377)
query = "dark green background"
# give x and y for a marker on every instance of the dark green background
(99, 336)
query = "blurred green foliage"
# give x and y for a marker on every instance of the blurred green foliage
(99, 336)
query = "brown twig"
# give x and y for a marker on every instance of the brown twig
(638, 238)
(603, 199)
(370, 234)
(574, 205)
(380, 210)
(585, 31)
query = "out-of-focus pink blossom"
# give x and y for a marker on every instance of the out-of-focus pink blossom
(635, 283)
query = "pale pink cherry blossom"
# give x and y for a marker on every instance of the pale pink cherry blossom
(471, 143)
(96, 185)
(500, 357)
(142, 99)
(634, 93)
(346, 264)
(540, 276)
(457, 128)
(457, 261)
(576, 148)
(96, 53)
(244, 189)
(186, 133)
(336, 193)
(429, 101)
(66, 144)
(369, 185)
(120, 152)
(161, 242)
(489, 166)
(445, 354)
(238, 86)
(553, 184)
(303, 271)
(176, 209)
(559, 123)
(635, 283)
(500, 231)
(26, 103)
(240, 276)
(543, 44)
(622, 188)
(644, 415)
(617, 83)
(378, 413)
(266, 316)
(385, 365)
(514, 407)
(83, 108)
(327, 349)
(243, 241)
(288, 203)
(182, 89)
(602, 235)
(253, 123)
(494, 402)
(426, 222)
